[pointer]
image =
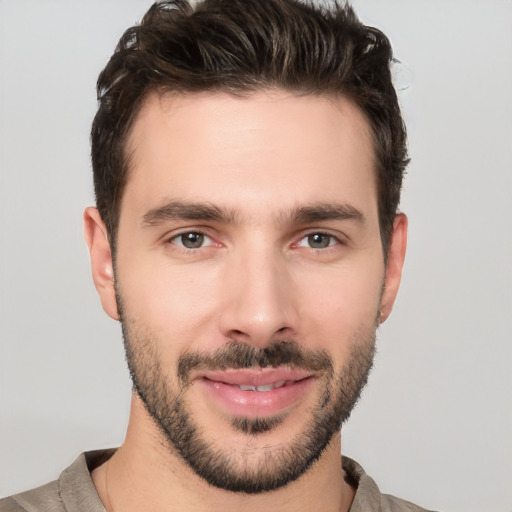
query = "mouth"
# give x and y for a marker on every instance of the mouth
(257, 392)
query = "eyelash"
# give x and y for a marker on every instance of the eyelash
(174, 238)
(333, 240)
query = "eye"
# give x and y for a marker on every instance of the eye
(191, 240)
(318, 241)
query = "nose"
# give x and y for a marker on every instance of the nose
(260, 301)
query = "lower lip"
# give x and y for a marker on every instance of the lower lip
(253, 404)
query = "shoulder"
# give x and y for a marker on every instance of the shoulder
(368, 496)
(393, 504)
(41, 499)
(74, 491)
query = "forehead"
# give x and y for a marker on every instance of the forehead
(272, 147)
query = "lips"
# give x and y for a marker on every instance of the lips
(257, 376)
(255, 392)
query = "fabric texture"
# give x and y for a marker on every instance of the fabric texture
(74, 491)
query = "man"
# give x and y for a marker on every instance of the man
(247, 159)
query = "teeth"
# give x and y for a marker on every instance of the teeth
(247, 388)
(265, 387)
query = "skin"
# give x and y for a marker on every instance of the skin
(260, 158)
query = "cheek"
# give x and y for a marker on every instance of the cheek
(341, 302)
(169, 301)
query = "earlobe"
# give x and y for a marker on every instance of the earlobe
(396, 257)
(101, 260)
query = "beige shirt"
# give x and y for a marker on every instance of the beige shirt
(74, 491)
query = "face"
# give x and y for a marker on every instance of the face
(250, 277)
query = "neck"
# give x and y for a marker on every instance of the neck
(143, 475)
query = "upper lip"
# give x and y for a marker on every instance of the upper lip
(255, 376)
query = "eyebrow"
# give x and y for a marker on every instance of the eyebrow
(179, 210)
(321, 212)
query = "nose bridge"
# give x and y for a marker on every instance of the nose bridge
(258, 296)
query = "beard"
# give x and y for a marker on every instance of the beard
(227, 467)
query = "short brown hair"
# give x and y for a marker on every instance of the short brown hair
(240, 46)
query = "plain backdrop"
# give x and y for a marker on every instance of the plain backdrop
(435, 424)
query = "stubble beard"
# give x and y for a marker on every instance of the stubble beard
(275, 466)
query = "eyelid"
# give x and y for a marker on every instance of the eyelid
(304, 242)
(171, 238)
(340, 238)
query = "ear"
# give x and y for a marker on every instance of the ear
(396, 256)
(101, 260)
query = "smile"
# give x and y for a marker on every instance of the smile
(255, 392)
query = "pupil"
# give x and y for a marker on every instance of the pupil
(192, 240)
(318, 241)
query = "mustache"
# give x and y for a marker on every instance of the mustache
(239, 356)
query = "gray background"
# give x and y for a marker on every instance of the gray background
(435, 423)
